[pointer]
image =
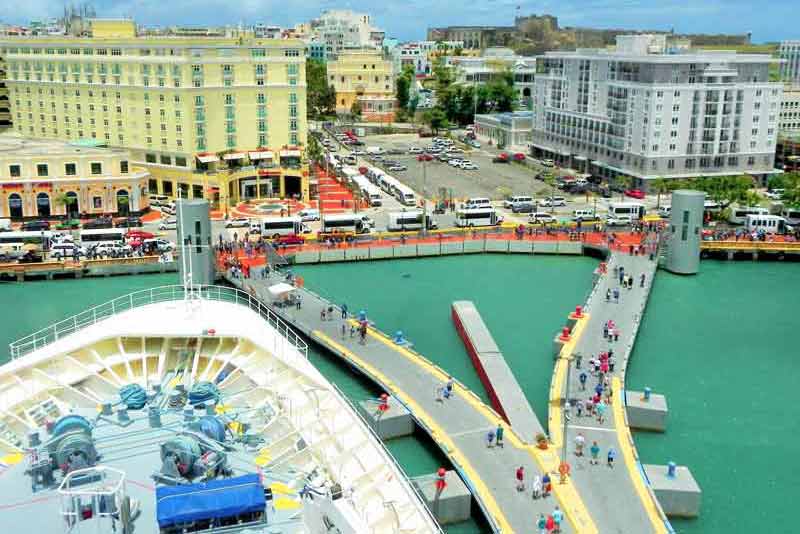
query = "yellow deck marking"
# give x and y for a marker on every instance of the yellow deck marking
(548, 460)
(629, 453)
(280, 487)
(12, 459)
(263, 458)
(282, 503)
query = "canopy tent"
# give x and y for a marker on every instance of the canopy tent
(290, 153)
(215, 499)
(233, 155)
(261, 154)
(207, 158)
(279, 290)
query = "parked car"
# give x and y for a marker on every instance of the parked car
(523, 207)
(548, 163)
(239, 222)
(415, 150)
(424, 157)
(502, 157)
(553, 201)
(66, 250)
(35, 226)
(398, 168)
(69, 224)
(128, 222)
(541, 218)
(454, 162)
(469, 166)
(635, 193)
(290, 239)
(309, 215)
(474, 144)
(99, 222)
(775, 194)
(111, 250)
(139, 234)
(170, 223)
(158, 244)
(519, 156)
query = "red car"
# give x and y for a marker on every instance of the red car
(291, 239)
(139, 234)
(635, 193)
(424, 157)
(519, 156)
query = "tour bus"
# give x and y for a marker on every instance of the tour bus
(278, 226)
(374, 174)
(12, 244)
(103, 235)
(634, 210)
(409, 221)
(349, 174)
(478, 217)
(344, 225)
(770, 224)
(374, 196)
(739, 213)
(388, 183)
(405, 195)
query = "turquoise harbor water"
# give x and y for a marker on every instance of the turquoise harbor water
(719, 345)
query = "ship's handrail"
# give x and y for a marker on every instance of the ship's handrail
(424, 507)
(70, 325)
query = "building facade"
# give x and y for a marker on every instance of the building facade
(505, 129)
(366, 77)
(421, 55)
(474, 37)
(641, 112)
(208, 117)
(789, 119)
(789, 52)
(494, 62)
(341, 29)
(45, 178)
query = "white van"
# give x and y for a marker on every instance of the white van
(477, 202)
(792, 215)
(375, 150)
(620, 219)
(516, 199)
(158, 200)
(739, 213)
(541, 218)
(770, 224)
(584, 215)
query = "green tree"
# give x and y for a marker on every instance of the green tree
(661, 186)
(444, 75)
(313, 150)
(320, 96)
(725, 190)
(791, 186)
(436, 119)
(355, 109)
(404, 81)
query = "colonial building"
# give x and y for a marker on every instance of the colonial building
(366, 77)
(45, 178)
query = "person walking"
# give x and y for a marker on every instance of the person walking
(322, 314)
(616, 334)
(579, 408)
(344, 330)
(616, 295)
(608, 295)
(547, 485)
(344, 311)
(611, 455)
(520, 478)
(579, 443)
(582, 377)
(558, 517)
(490, 438)
(330, 312)
(601, 411)
(537, 487)
(641, 280)
(450, 383)
(541, 524)
(594, 450)
(352, 330)
(499, 436)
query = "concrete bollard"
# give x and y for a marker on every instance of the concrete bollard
(671, 470)
(647, 392)
(398, 338)
(452, 503)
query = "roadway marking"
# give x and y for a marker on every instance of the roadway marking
(473, 431)
(598, 428)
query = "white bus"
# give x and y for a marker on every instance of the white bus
(466, 218)
(792, 215)
(278, 226)
(23, 238)
(103, 235)
(634, 210)
(770, 224)
(349, 174)
(405, 195)
(344, 223)
(409, 221)
(388, 183)
(739, 213)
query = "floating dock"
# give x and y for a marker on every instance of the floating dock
(504, 391)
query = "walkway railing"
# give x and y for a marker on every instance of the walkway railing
(145, 297)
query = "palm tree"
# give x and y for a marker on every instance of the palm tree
(624, 183)
(661, 185)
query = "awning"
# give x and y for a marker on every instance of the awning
(579, 158)
(233, 155)
(278, 290)
(207, 158)
(290, 153)
(265, 154)
(215, 499)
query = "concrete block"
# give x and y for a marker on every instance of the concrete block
(331, 255)
(381, 252)
(545, 247)
(425, 249)
(473, 246)
(496, 245)
(306, 257)
(679, 496)
(557, 344)
(520, 247)
(355, 254)
(405, 251)
(570, 247)
(456, 247)
(453, 504)
(646, 415)
(393, 423)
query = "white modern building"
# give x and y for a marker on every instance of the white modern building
(341, 29)
(421, 54)
(493, 62)
(644, 110)
(789, 53)
(505, 130)
(789, 119)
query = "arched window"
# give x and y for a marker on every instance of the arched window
(43, 205)
(123, 202)
(14, 206)
(72, 208)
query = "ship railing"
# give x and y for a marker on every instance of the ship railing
(145, 297)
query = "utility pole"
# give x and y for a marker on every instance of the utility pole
(424, 199)
(564, 412)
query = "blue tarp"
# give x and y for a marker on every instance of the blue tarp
(209, 500)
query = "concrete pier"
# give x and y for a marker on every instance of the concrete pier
(679, 496)
(451, 505)
(394, 422)
(504, 391)
(646, 414)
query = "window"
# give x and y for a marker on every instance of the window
(70, 169)
(165, 160)
(97, 168)
(180, 161)
(15, 171)
(41, 169)
(150, 158)
(123, 167)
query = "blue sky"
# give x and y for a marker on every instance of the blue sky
(408, 19)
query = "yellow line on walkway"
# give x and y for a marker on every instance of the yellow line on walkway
(554, 419)
(548, 460)
(629, 453)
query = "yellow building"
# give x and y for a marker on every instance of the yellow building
(220, 118)
(46, 178)
(364, 76)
